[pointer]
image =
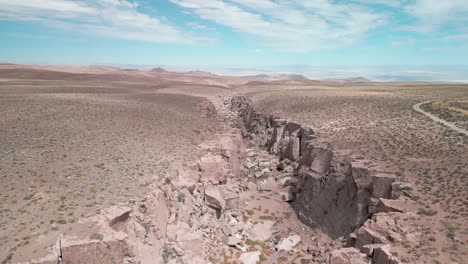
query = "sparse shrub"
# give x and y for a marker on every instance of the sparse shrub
(167, 254)
(181, 197)
(428, 212)
(96, 236)
(61, 221)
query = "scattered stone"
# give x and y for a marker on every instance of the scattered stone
(286, 181)
(226, 230)
(250, 257)
(287, 244)
(233, 241)
(265, 171)
(400, 189)
(268, 184)
(287, 195)
(249, 165)
(263, 164)
(262, 231)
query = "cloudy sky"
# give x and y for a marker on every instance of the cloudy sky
(251, 33)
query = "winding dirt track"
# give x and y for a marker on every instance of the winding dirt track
(417, 107)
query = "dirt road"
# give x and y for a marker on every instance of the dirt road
(417, 107)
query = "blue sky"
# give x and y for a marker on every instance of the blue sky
(228, 33)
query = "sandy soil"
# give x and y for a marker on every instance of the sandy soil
(69, 149)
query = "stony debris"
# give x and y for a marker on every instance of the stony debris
(250, 257)
(268, 184)
(401, 189)
(233, 241)
(287, 244)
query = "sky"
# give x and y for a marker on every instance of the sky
(295, 35)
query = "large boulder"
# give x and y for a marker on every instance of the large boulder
(331, 201)
(382, 185)
(214, 198)
(388, 205)
(322, 159)
(117, 216)
(213, 169)
(293, 148)
(382, 255)
(154, 207)
(94, 251)
(306, 135)
(347, 256)
(229, 144)
(382, 228)
(278, 130)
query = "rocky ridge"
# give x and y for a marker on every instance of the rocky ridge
(281, 200)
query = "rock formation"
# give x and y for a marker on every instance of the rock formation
(198, 213)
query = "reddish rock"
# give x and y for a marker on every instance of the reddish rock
(91, 251)
(186, 178)
(117, 216)
(214, 198)
(387, 205)
(213, 169)
(382, 185)
(347, 256)
(382, 255)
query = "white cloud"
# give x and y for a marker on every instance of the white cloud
(289, 25)
(432, 15)
(113, 18)
(298, 25)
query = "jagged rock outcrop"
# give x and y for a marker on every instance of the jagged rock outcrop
(199, 209)
(328, 191)
(331, 192)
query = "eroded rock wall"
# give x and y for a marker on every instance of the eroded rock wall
(330, 192)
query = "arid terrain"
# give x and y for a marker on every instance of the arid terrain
(75, 141)
(375, 123)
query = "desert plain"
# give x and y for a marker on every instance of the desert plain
(76, 140)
